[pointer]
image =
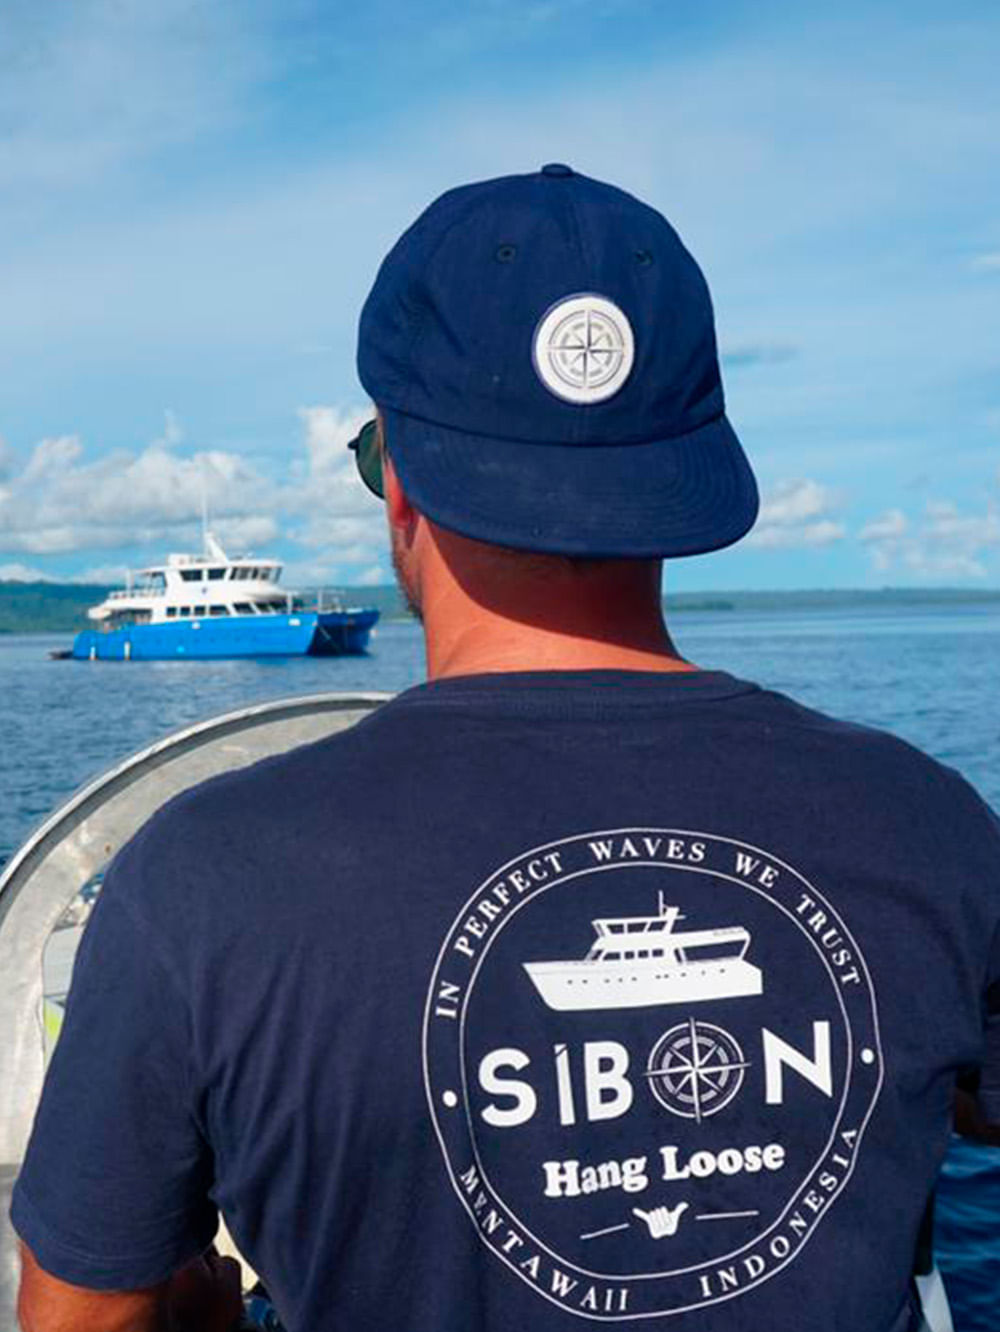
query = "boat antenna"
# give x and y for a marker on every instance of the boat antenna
(670, 913)
(204, 508)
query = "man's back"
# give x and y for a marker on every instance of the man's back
(540, 996)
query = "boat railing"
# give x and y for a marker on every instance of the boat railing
(319, 599)
(126, 593)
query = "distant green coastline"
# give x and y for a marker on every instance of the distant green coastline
(56, 608)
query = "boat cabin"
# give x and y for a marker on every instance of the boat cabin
(196, 587)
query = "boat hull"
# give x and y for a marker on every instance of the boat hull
(342, 633)
(580, 986)
(305, 633)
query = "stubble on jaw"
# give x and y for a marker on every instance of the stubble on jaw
(404, 582)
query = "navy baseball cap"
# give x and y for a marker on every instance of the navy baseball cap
(542, 348)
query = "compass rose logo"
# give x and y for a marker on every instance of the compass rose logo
(695, 1069)
(584, 349)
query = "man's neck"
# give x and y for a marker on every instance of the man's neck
(608, 620)
(473, 655)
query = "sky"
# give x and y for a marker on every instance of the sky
(195, 197)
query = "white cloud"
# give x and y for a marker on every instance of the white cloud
(794, 502)
(940, 563)
(172, 432)
(22, 573)
(989, 262)
(107, 574)
(944, 543)
(335, 511)
(52, 456)
(328, 432)
(249, 533)
(370, 577)
(62, 501)
(797, 514)
(889, 527)
(823, 533)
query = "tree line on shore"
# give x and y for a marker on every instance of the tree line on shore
(46, 607)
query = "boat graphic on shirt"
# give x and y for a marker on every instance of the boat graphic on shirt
(642, 961)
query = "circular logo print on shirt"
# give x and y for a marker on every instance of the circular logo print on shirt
(584, 349)
(650, 1057)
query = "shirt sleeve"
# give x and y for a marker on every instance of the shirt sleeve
(114, 1190)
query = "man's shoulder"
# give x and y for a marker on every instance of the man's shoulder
(871, 758)
(806, 723)
(251, 820)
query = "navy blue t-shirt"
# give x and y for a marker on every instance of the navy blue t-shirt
(531, 999)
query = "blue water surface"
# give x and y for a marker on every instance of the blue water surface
(932, 677)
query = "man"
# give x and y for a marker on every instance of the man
(579, 982)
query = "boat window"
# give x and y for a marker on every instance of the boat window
(191, 575)
(215, 574)
(642, 952)
(637, 926)
(218, 610)
(628, 956)
(243, 608)
(171, 612)
(184, 610)
(616, 928)
(612, 957)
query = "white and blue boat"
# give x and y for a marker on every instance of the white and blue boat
(211, 606)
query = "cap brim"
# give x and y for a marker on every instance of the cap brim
(680, 496)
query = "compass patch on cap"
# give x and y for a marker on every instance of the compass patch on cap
(583, 348)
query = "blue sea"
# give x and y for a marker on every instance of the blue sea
(932, 677)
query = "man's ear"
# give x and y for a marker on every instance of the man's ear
(400, 512)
